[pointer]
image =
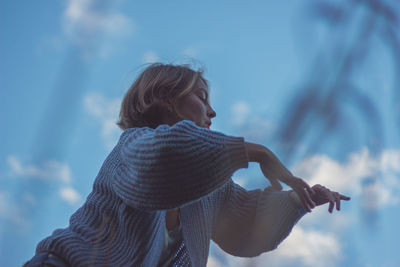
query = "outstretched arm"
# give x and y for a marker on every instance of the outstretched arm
(253, 222)
(170, 166)
(249, 223)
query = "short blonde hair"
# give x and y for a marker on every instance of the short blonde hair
(155, 90)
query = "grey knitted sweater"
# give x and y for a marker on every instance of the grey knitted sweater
(152, 170)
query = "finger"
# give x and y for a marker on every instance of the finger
(304, 199)
(305, 191)
(275, 184)
(306, 186)
(307, 196)
(310, 190)
(331, 205)
(343, 197)
(331, 200)
(337, 199)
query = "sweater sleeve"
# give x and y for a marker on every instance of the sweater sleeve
(252, 222)
(170, 166)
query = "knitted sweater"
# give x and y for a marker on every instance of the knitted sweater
(149, 171)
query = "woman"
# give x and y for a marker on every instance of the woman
(165, 190)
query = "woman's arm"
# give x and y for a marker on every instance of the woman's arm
(170, 166)
(249, 223)
(253, 222)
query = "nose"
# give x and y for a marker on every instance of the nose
(211, 113)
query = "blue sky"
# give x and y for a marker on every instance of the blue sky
(65, 65)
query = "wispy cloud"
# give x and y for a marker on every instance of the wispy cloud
(213, 262)
(250, 124)
(309, 248)
(70, 195)
(337, 222)
(50, 171)
(240, 113)
(84, 20)
(96, 27)
(195, 50)
(190, 52)
(105, 111)
(150, 57)
(12, 212)
(241, 180)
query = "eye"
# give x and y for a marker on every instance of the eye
(203, 97)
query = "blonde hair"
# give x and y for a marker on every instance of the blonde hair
(155, 92)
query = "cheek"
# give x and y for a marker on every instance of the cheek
(192, 108)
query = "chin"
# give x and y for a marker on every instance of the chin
(202, 125)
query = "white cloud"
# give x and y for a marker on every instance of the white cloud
(310, 247)
(213, 262)
(257, 129)
(376, 195)
(150, 57)
(302, 248)
(240, 113)
(336, 222)
(12, 212)
(106, 111)
(241, 180)
(50, 170)
(194, 51)
(190, 52)
(70, 195)
(390, 160)
(96, 27)
(84, 20)
(250, 125)
(376, 178)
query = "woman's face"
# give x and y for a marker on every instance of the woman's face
(195, 106)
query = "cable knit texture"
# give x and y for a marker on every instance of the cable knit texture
(122, 222)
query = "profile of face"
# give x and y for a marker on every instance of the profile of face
(195, 106)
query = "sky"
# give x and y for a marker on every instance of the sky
(315, 81)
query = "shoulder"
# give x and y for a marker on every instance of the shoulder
(137, 132)
(161, 127)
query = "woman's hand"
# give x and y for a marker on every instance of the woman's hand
(276, 172)
(302, 189)
(323, 195)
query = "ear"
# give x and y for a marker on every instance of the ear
(170, 107)
(169, 104)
